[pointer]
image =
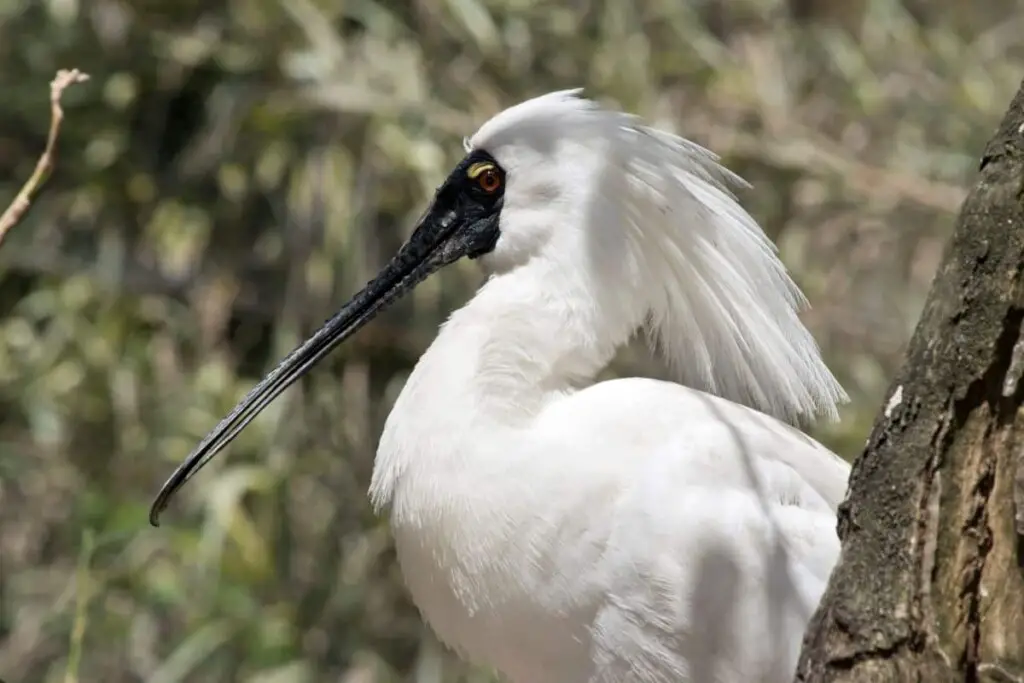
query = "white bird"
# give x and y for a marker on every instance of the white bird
(562, 530)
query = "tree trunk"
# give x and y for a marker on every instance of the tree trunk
(930, 585)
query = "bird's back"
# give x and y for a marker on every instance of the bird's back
(722, 544)
(710, 591)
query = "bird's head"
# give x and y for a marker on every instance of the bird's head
(648, 215)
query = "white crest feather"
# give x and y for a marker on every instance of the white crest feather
(721, 307)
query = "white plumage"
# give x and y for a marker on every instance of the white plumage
(628, 531)
(631, 531)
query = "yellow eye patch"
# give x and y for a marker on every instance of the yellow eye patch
(479, 167)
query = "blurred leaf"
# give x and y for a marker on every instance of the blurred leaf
(293, 672)
(186, 658)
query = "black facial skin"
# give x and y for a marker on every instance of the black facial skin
(461, 221)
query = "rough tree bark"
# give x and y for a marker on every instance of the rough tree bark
(930, 585)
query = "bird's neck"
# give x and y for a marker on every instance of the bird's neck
(527, 337)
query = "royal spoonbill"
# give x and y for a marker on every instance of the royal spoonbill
(562, 530)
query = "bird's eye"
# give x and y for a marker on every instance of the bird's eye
(489, 180)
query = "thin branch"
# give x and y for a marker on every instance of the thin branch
(16, 211)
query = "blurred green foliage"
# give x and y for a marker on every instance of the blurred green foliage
(235, 168)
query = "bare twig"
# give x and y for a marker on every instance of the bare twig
(16, 211)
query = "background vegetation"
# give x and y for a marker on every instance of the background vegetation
(235, 168)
